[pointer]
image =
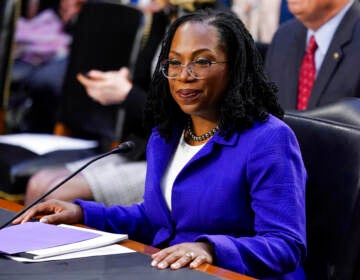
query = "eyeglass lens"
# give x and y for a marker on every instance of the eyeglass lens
(196, 69)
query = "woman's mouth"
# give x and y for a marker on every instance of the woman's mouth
(188, 95)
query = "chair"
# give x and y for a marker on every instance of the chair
(331, 153)
(9, 11)
(345, 111)
(106, 37)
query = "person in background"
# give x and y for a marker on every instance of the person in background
(326, 71)
(42, 41)
(115, 179)
(225, 181)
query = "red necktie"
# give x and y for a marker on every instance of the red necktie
(307, 75)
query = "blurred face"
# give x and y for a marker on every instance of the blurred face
(314, 13)
(199, 43)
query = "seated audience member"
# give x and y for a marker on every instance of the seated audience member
(114, 179)
(313, 58)
(41, 53)
(225, 180)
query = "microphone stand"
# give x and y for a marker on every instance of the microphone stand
(122, 148)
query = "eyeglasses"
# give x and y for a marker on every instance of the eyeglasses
(197, 69)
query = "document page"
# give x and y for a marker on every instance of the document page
(35, 240)
(103, 238)
(101, 251)
(45, 143)
(35, 235)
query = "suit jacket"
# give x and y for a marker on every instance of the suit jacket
(244, 195)
(339, 75)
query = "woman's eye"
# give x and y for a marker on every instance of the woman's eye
(174, 62)
(202, 62)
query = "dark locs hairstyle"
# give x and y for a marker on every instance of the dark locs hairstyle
(250, 96)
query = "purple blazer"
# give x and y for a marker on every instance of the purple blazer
(245, 195)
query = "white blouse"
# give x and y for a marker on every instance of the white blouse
(184, 152)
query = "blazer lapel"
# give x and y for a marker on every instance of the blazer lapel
(160, 155)
(211, 145)
(333, 56)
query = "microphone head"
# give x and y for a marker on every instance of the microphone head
(124, 147)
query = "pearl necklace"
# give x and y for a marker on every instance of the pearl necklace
(203, 137)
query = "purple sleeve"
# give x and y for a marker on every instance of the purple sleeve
(130, 220)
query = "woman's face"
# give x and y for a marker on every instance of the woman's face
(194, 41)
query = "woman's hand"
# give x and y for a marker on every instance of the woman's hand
(190, 254)
(107, 88)
(60, 212)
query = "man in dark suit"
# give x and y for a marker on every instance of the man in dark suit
(336, 28)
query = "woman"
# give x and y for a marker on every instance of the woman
(225, 179)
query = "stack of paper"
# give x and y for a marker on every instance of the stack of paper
(46, 143)
(37, 241)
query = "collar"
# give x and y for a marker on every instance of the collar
(325, 33)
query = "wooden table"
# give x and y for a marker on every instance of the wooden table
(145, 249)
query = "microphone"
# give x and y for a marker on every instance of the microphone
(124, 147)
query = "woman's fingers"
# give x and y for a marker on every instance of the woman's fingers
(57, 218)
(174, 259)
(181, 255)
(200, 260)
(168, 260)
(37, 210)
(55, 212)
(185, 260)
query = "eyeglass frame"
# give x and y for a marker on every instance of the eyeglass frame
(165, 62)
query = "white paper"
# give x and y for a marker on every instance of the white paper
(105, 238)
(45, 143)
(102, 251)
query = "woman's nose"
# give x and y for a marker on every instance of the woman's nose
(185, 72)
